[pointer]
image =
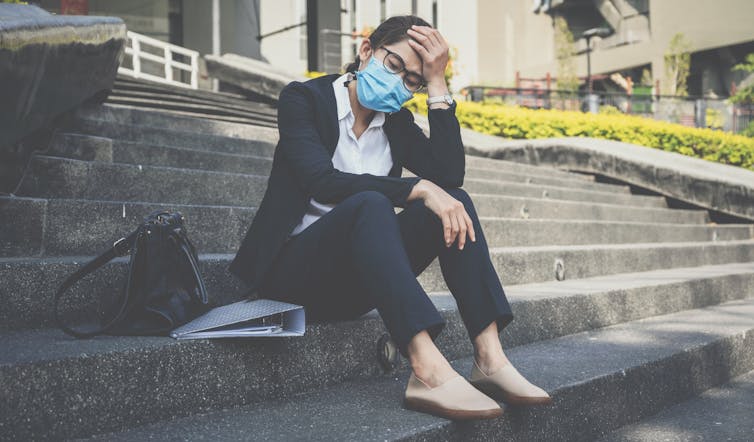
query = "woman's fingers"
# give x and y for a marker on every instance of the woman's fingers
(446, 228)
(454, 228)
(426, 39)
(462, 232)
(418, 35)
(418, 47)
(470, 224)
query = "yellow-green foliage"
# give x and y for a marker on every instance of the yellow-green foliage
(518, 122)
(314, 74)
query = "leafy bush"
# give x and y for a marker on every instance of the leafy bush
(314, 74)
(609, 109)
(522, 123)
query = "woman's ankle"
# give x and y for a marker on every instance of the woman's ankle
(434, 372)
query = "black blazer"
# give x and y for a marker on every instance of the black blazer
(302, 167)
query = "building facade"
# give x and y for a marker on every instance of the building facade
(495, 40)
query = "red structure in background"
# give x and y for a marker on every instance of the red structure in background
(74, 7)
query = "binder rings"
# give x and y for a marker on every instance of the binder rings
(247, 318)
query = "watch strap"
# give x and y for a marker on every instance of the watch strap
(447, 98)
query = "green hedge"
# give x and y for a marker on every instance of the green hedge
(522, 123)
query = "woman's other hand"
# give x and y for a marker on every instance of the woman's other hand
(456, 222)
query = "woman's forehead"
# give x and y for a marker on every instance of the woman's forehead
(408, 54)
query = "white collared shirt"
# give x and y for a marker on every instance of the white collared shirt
(370, 153)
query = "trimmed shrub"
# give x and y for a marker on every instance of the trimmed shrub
(522, 123)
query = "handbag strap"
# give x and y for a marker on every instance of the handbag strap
(120, 247)
(188, 250)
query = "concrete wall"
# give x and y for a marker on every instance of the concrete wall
(238, 27)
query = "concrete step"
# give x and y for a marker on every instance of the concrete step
(94, 148)
(124, 80)
(191, 107)
(29, 282)
(214, 104)
(55, 177)
(239, 120)
(599, 380)
(153, 136)
(724, 413)
(220, 98)
(571, 183)
(90, 147)
(171, 99)
(134, 116)
(52, 177)
(106, 115)
(528, 169)
(102, 372)
(55, 227)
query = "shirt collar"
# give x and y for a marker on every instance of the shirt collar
(344, 102)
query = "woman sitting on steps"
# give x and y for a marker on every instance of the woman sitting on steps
(326, 235)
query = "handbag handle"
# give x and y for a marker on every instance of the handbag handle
(185, 246)
(121, 247)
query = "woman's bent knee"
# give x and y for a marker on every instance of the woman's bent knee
(371, 197)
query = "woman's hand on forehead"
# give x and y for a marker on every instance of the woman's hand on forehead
(433, 50)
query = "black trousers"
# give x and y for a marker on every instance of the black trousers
(361, 255)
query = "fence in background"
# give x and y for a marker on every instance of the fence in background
(715, 113)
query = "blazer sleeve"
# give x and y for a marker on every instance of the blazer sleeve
(440, 157)
(302, 147)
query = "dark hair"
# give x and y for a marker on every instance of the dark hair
(388, 32)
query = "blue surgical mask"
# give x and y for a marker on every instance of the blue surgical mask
(379, 89)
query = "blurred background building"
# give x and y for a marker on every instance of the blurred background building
(498, 42)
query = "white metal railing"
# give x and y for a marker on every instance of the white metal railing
(134, 48)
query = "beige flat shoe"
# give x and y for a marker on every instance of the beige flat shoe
(509, 386)
(454, 399)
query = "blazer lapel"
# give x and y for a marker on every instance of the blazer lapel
(331, 112)
(396, 144)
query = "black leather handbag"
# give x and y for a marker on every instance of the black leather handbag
(163, 289)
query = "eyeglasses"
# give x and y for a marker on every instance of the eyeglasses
(394, 64)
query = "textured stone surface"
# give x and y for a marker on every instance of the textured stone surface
(247, 73)
(45, 361)
(598, 379)
(717, 186)
(29, 283)
(130, 115)
(628, 262)
(81, 227)
(723, 413)
(48, 65)
(68, 178)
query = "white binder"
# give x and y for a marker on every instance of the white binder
(247, 318)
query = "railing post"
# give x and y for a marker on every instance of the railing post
(136, 61)
(700, 113)
(168, 64)
(194, 71)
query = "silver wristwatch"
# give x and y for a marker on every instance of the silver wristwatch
(440, 99)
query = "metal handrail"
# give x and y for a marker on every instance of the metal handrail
(134, 44)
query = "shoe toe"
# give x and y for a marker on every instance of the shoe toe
(456, 398)
(507, 383)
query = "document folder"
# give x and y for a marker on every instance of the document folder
(247, 318)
